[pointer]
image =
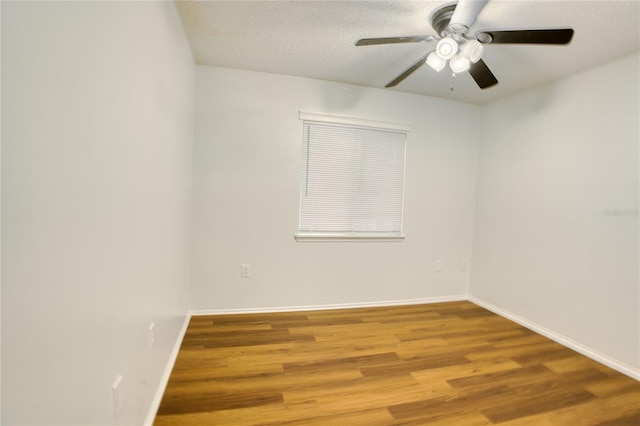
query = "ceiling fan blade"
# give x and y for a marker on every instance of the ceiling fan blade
(548, 36)
(482, 75)
(390, 40)
(467, 12)
(408, 71)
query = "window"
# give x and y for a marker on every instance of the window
(352, 181)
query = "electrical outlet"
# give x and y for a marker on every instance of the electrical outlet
(152, 335)
(116, 392)
(245, 270)
(437, 267)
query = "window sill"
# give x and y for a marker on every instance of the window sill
(327, 237)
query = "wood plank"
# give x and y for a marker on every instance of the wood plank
(350, 362)
(619, 410)
(526, 400)
(573, 363)
(615, 384)
(372, 417)
(471, 369)
(194, 401)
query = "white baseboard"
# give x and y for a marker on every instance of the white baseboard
(563, 340)
(157, 399)
(441, 299)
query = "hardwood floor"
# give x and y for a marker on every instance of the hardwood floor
(438, 364)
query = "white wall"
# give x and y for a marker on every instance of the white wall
(555, 162)
(246, 168)
(96, 171)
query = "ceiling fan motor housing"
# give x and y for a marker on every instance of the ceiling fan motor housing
(441, 18)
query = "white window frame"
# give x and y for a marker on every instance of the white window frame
(302, 236)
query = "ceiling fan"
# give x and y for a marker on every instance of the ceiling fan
(462, 50)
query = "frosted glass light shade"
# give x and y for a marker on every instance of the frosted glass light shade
(459, 63)
(446, 48)
(472, 50)
(435, 62)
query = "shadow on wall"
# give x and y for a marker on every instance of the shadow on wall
(537, 100)
(341, 97)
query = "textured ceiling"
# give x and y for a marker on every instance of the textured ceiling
(316, 39)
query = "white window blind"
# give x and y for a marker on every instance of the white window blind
(352, 182)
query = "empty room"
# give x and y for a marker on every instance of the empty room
(320, 213)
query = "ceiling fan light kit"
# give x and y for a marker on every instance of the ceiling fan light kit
(435, 61)
(460, 56)
(463, 51)
(459, 63)
(472, 50)
(446, 48)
